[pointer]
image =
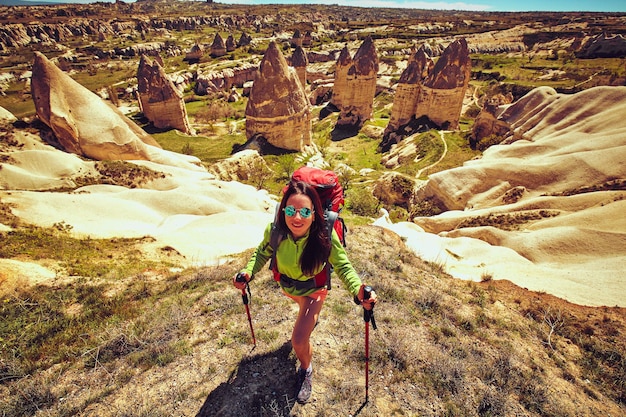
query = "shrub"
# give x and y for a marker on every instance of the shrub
(362, 202)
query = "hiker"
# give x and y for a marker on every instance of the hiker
(299, 257)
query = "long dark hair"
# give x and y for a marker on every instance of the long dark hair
(317, 249)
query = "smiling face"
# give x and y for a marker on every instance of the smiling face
(298, 225)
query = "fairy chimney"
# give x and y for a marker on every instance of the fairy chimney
(296, 39)
(359, 87)
(299, 61)
(244, 39)
(408, 88)
(340, 87)
(82, 122)
(194, 54)
(160, 101)
(230, 44)
(429, 91)
(218, 48)
(441, 96)
(278, 109)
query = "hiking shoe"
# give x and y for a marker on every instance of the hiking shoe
(305, 385)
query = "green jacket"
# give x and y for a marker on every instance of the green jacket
(288, 255)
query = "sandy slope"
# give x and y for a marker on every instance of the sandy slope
(203, 219)
(571, 246)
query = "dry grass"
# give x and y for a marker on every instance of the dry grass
(165, 343)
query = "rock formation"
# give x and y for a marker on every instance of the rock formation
(278, 109)
(194, 54)
(299, 62)
(394, 188)
(343, 65)
(242, 166)
(218, 47)
(441, 97)
(296, 39)
(244, 39)
(230, 44)
(86, 125)
(487, 123)
(433, 93)
(603, 46)
(208, 82)
(407, 90)
(160, 101)
(355, 85)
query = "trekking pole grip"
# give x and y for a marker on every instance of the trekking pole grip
(368, 315)
(242, 278)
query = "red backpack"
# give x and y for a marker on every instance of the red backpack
(330, 191)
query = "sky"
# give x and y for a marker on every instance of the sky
(477, 5)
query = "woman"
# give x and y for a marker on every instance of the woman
(299, 257)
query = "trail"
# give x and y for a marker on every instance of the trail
(443, 155)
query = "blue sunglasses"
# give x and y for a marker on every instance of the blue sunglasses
(305, 212)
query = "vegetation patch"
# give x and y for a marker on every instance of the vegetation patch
(508, 221)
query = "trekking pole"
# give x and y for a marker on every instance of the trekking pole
(244, 297)
(368, 315)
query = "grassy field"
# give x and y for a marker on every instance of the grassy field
(151, 339)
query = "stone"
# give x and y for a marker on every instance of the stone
(244, 39)
(299, 61)
(487, 123)
(159, 99)
(441, 97)
(194, 54)
(344, 62)
(278, 109)
(230, 44)
(429, 95)
(218, 47)
(394, 188)
(242, 166)
(407, 90)
(358, 88)
(296, 39)
(86, 125)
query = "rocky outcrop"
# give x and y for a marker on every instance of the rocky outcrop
(299, 62)
(216, 81)
(408, 88)
(430, 94)
(244, 39)
(218, 47)
(230, 44)
(86, 125)
(296, 39)
(604, 46)
(159, 99)
(394, 189)
(355, 85)
(487, 123)
(343, 65)
(194, 54)
(441, 97)
(278, 109)
(243, 166)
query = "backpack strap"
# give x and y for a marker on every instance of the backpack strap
(276, 236)
(330, 217)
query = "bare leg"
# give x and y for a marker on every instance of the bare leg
(305, 323)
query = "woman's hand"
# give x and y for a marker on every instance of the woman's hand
(368, 303)
(241, 280)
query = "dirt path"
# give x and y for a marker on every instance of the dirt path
(443, 155)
